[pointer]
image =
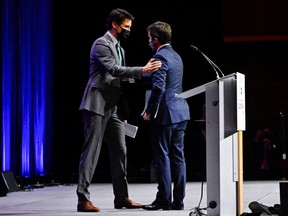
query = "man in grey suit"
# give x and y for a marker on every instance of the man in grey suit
(100, 107)
(169, 116)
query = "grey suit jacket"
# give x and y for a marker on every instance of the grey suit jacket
(103, 89)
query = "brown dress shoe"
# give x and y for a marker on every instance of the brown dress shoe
(86, 206)
(129, 204)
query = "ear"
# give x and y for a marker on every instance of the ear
(156, 41)
(114, 24)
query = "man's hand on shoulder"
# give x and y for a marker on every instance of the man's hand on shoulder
(151, 66)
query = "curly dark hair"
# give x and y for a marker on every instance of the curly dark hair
(118, 15)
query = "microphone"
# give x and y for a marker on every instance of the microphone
(214, 66)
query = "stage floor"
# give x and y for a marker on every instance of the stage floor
(62, 200)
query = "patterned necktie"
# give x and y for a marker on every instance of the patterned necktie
(119, 52)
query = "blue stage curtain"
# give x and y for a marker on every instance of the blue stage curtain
(26, 45)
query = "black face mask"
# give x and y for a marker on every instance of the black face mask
(123, 35)
(152, 46)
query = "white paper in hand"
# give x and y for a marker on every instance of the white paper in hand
(130, 130)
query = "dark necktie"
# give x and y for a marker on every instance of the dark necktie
(119, 52)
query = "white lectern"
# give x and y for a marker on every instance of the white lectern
(225, 119)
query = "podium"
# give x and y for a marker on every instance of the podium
(225, 121)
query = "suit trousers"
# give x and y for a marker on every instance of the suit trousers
(108, 129)
(168, 152)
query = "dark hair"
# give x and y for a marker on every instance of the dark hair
(160, 30)
(118, 15)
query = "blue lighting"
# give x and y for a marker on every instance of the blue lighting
(26, 86)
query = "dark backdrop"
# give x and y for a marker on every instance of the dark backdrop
(77, 24)
(250, 38)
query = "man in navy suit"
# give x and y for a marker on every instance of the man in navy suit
(101, 105)
(169, 116)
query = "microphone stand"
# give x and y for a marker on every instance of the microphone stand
(284, 141)
(214, 66)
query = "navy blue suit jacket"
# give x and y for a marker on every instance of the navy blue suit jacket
(163, 105)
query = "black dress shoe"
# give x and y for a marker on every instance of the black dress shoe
(155, 207)
(177, 206)
(129, 204)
